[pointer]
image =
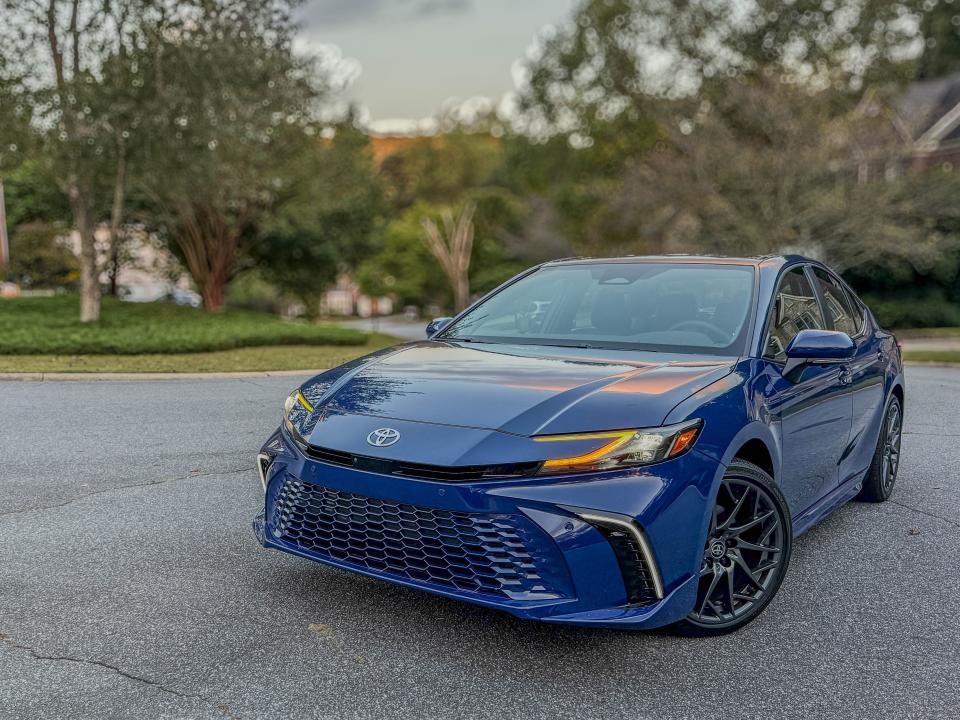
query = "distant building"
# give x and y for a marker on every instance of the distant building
(928, 119)
(916, 131)
(384, 145)
(345, 298)
(148, 271)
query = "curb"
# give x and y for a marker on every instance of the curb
(78, 376)
(930, 364)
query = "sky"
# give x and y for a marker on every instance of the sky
(408, 58)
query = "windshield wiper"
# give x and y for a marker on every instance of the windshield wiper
(574, 346)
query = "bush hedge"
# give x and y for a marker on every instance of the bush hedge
(926, 311)
(50, 325)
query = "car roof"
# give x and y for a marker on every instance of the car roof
(757, 260)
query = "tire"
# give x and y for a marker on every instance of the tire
(748, 548)
(882, 475)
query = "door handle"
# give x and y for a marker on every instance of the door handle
(845, 377)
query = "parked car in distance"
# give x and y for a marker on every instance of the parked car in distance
(628, 442)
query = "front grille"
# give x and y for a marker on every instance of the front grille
(452, 473)
(637, 578)
(497, 554)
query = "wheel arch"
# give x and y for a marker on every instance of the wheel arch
(897, 390)
(755, 451)
(755, 439)
(756, 444)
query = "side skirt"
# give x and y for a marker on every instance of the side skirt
(844, 492)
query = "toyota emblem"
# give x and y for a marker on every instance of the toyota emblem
(382, 437)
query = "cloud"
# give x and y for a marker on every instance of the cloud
(317, 14)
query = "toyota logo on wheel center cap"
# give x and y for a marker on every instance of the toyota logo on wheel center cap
(382, 437)
(718, 548)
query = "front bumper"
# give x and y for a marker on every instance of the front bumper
(544, 548)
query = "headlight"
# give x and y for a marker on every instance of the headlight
(296, 413)
(621, 448)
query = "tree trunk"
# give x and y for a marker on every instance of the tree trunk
(81, 205)
(116, 220)
(312, 305)
(453, 247)
(80, 192)
(212, 292)
(209, 243)
(4, 243)
(461, 292)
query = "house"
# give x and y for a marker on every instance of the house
(345, 298)
(927, 116)
(915, 131)
(148, 271)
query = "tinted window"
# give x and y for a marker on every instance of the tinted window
(666, 307)
(856, 309)
(838, 307)
(795, 308)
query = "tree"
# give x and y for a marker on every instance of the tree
(326, 218)
(507, 238)
(940, 29)
(441, 169)
(58, 51)
(33, 196)
(438, 176)
(579, 180)
(235, 110)
(741, 114)
(15, 129)
(453, 247)
(38, 259)
(614, 56)
(402, 266)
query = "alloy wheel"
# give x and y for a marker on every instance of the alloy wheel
(744, 552)
(890, 461)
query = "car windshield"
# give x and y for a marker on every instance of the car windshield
(663, 307)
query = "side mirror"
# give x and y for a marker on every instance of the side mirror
(435, 326)
(817, 346)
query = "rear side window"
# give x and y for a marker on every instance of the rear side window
(795, 308)
(857, 310)
(842, 312)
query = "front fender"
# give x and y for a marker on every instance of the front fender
(732, 416)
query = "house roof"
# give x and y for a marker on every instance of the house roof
(930, 109)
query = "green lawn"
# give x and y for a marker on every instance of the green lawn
(936, 356)
(255, 359)
(49, 326)
(937, 332)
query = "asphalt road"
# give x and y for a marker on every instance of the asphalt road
(131, 587)
(396, 325)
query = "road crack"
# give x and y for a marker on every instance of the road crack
(924, 512)
(120, 488)
(931, 432)
(220, 707)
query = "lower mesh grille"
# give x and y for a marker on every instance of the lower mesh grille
(497, 554)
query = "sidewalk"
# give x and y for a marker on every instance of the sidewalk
(931, 344)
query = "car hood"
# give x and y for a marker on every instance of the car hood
(516, 389)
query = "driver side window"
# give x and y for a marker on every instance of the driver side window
(795, 308)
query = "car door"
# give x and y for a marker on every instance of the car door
(865, 371)
(812, 408)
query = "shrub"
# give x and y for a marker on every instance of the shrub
(38, 259)
(925, 311)
(50, 325)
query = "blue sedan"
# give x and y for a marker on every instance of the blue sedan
(628, 442)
